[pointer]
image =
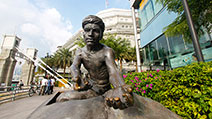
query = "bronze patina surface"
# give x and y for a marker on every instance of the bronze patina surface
(99, 61)
(93, 97)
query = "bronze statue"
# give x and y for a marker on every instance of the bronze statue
(101, 101)
(99, 60)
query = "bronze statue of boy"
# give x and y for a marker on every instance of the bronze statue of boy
(99, 61)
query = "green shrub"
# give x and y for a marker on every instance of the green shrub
(186, 91)
(56, 83)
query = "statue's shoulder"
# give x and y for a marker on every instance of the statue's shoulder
(79, 51)
(108, 50)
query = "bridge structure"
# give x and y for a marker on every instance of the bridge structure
(10, 50)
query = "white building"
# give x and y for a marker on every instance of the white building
(117, 21)
(71, 42)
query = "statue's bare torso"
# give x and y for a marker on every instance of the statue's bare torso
(99, 64)
(95, 65)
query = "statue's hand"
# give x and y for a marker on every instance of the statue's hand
(76, 83)
(80, 85)
(120, 97)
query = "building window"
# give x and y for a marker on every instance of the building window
(143, 18)
(162, 47)
(177, 44)
(157, 6)
(147, 55)
(156, 53)
(148, 11)
(153, 52)
(205, 39)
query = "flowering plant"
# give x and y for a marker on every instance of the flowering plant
(143, 83)
(186, 91)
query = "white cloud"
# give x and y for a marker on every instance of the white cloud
(40, 27)
(30, 29)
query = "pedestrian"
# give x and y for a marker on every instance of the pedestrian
(32, 86)
(21, 84)
(43, 86)
(52, 84)
(48, 89)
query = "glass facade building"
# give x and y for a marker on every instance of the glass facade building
(160, 51)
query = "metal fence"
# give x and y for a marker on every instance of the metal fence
(11, 93)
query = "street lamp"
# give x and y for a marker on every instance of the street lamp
(135, 35)
(194, 36)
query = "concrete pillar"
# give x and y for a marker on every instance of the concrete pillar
(28, 68)
(7, 59)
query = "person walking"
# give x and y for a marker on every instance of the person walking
(48, 91)
(21, 84)
(43, 86)
(52, 85)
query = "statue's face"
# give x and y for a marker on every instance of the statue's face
(92, 34)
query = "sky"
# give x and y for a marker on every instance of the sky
(46, 24)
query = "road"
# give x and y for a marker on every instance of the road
(22, 108)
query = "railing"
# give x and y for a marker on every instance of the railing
(11, 93)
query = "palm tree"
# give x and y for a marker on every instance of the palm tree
(63, 59)
(119, 45)
(132, 56)
(48, 59)
(80, 42)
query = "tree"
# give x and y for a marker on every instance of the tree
(80, 42)
(201, 11)
(119, 45)
(63, 59)
(48, 59)
(131, 56)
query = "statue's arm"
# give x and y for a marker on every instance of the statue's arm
(115, 77)
(121, 96)
(75, 69)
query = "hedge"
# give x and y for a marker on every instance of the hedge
(187, 91)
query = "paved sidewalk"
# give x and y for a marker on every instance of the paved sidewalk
(20, 109)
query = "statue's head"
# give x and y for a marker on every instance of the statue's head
(93, 27)
(94, 20)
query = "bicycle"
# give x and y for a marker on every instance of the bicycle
(34, 89)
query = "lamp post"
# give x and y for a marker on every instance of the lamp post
(194, 36)
(136, 40)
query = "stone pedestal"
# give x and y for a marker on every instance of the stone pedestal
(95, 108)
